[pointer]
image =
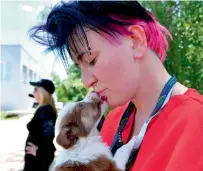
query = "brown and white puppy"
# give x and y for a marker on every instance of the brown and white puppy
(82, 147)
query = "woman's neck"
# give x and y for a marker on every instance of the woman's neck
(150, 86)
(149, 90)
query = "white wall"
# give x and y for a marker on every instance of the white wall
(10, 88)
(14, 92)
(31, 63)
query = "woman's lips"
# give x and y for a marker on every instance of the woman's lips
(103, 99)
(100, 92)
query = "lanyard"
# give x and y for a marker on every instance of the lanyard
(163, 99)
(118, 142)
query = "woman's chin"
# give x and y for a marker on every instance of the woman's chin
(114, 104)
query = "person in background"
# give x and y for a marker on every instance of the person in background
(39, 147)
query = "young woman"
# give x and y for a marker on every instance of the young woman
(120, 48)
(39, 147)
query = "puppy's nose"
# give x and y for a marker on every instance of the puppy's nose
(93, 96)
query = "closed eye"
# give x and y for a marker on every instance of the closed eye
(91, 58)
(93, 62)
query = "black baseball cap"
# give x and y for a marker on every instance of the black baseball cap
(46, 84)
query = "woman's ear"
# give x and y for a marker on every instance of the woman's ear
(139, 40)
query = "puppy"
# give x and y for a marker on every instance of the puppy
(82, 147)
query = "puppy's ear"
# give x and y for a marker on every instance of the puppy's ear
(68, 135)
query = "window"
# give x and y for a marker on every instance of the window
(24, 74)
(31, 75)
(6, 70)
(34, 76)
(3, 68)
(8, 74)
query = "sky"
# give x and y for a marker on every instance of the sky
(17, 17)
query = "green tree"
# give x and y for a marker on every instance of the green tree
(70, 89)
(184, 19)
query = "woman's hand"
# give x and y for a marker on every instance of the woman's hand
(31, 149)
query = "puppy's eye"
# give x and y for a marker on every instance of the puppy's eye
(81, 105)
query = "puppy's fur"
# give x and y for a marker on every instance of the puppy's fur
(82, 147)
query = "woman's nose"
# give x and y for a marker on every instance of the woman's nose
(88, 78)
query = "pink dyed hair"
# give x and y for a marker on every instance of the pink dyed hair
(156, 34)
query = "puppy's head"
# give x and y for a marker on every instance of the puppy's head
(77, 119)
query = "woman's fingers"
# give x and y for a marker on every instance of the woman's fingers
(27, 148)
(31, 144)
(31, 149)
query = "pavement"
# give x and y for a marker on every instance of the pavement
(13, 135)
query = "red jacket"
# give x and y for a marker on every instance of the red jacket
(174, 138)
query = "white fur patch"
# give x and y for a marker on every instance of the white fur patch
(85, 151)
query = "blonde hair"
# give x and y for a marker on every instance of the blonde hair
(46, 98)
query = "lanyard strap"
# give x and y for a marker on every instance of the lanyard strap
(143, 130)
(117, 141)
(101, 122)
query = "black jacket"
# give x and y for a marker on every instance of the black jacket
(41, 131)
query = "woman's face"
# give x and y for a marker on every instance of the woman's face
(36, 94)
(110, 68)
